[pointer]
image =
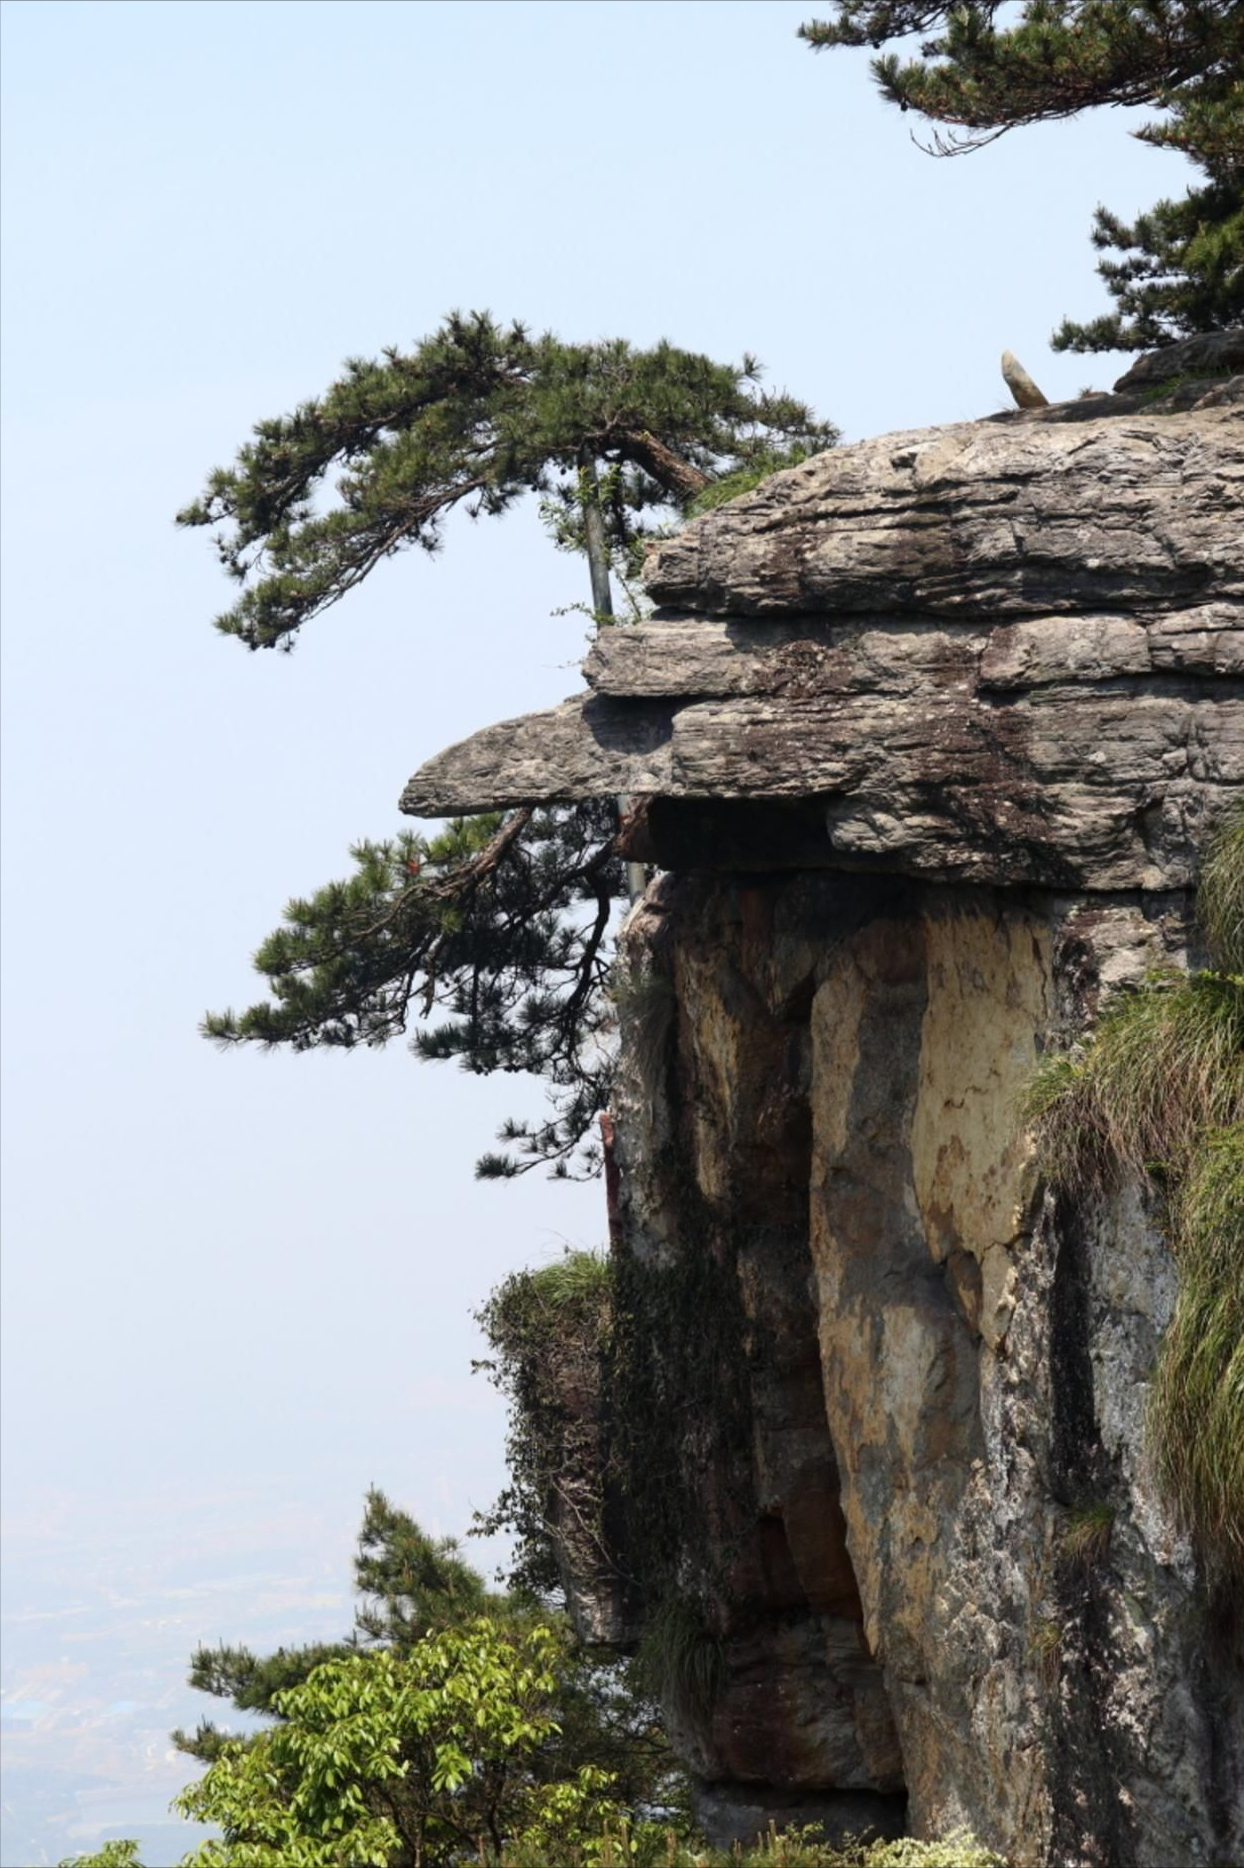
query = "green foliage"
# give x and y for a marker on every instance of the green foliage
(413, 1587)
(385, 1757)
(552, 1842)
(503, 923)
(1165, 1063)
(1045, 1648)
(1181, 265)
(408, 1584)
(1181, 269)
(648, 1845)
(604, 1362)
(1058, 58)
(1220, 894)
(959, 1849)
(1159, 1089)
(549, 1332)
(478, 414)
(745, 478)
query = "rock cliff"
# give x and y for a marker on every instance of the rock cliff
(926, 732)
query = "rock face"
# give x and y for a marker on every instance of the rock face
(992, 653)
(929, 732)
(982, 1352)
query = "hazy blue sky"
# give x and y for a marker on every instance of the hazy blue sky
(238, 1288)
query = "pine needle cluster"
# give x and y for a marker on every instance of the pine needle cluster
(1180, 269)
(499, 923)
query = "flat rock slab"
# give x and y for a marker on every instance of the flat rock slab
(700, 657)
(978, 519)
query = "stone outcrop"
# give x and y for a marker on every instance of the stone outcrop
(926, 736)
(997, 653)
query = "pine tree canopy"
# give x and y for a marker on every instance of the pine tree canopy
(1181, 269)
(501, 923)
(476, 415)
(1059, 58)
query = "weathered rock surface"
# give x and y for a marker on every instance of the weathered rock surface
(927, 739)
(1214, 353)
(847, 1057)
(992, 653)
(978, 519)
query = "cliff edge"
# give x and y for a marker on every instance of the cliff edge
(925, 736)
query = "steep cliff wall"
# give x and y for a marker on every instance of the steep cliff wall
(927, 742)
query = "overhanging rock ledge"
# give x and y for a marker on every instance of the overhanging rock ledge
(998, 651)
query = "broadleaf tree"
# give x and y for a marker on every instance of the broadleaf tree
(422, 1758)
(502, 923)
(1180, 266)
(412, 1589)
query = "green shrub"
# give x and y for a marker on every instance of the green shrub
(656, 1845)
(956, 1850)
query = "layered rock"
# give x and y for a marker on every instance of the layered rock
(993, 652)
(926, 739)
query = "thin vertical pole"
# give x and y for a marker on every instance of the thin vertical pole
(602, 607)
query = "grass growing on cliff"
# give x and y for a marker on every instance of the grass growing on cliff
(548, 1331)
(1197, 1401)
(680, 1658)
(1220, 898)
(1159, 1089)
(1165, 1064)
(745, 480)
(1086, 1538)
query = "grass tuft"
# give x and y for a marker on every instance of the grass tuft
(575, 1279)
(680, 1658)
(1159, 1089)
(1220, 896)
(1196, 1405)
(1086, 1538)
(1165, 1063)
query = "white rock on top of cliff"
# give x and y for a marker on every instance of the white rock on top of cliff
(999, 651)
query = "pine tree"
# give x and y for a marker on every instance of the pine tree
(1181, 270)
(501, 922)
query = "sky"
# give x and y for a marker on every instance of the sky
(238, 1289)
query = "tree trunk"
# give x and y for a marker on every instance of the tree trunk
(602, 606)
(677, 476)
